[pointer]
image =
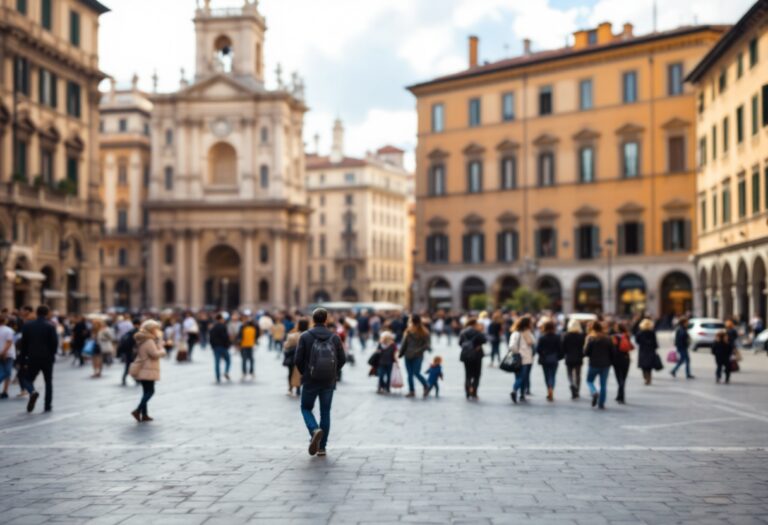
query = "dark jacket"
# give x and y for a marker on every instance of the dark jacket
(304, 349)
(387, 354)
(478, 339)
(646, 346)
(219, 336)
(682, 339)
(573, 348)
(414, 345)
(599, 350)
(723, 352)
(39, 341)
(550, 349)
(494, 332)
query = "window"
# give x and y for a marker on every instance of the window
(742, 198)
(675, 79)
(147, 176)
(349, 178)
(703, 213)
(739, 65)
(474, 248)
(122, 257)
(725, 134)
(765, 186)
(21, 75)
(169, 292)
(349, 272)
(586, 164)
(474, 176)
(726, 205)
(46, 165)
(714, 208)
(631, 159)
(146, 129)
(168, 178)
(630, 238)
(322, 273)
(585, 94)
(264, 254)
(701, 102)
(21, 6)
(507, 246)
(169, 253)
(592, 37)
(46, 18)
(73, 99)
(437, 248)
(22, 161)
(546, 242)
(122, 125)
(122, 173)
(545, 100)
(168, 137)
(47, 88)
(508, 173)
(264, 176)
(73, 168)
(676, 153)
(122, 220)
(264, 135)
(474, 112)
(586, 242)
(74, 28)
(508, 107)
(546, 169)
(437, 180)
(722, 81)
(765, 105)
(756, 190)
(629, 87)
(349, 199)
(676, 235)
(740, 124)
(714, 142)
(753, 52)
(321, 245)
(438, 118)
(755, 112)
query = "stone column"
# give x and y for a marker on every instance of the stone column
(736, 302)
(196, 281)
(180, 262)
(135, 176)
(154, 286)
(248, 271)
(278, 272)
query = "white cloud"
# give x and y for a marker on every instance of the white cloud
(430, 51)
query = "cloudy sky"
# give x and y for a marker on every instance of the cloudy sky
(357, 55)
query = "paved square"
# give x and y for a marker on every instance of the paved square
(678, 452)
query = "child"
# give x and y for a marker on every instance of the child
(387, 350)
(434, 373)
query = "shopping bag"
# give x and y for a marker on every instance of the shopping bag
(511, 363)
(657, 364)
(396, 378)
(672, 356)
(295, 378)
(89, 348)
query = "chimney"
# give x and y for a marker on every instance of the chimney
(628, 31)
(526, 46)
(604, 33)
(135, 83)
(474, 42)
(337, 151)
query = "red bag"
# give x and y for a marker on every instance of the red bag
(672, 356)
(625, 345)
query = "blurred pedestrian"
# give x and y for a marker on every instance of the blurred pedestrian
(682, 342)
(622, 346)
(471, 341)
(550, 350)
(522, 342)
(494, 336)
(220, 342)
(648, 359)
(7, 354)
(37, 350)
(289, 354)
(249, 334)
(573, 348)
(146, 366)
(723, 351)
(387, 356)
(434, 376)
(415, 344)
(598, 349)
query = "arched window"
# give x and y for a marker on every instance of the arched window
(169, 292)
(222, 164)
(264, 176)
(169, 255)
(264, 254)
(168, 178)
(224, 53)
(263, 291)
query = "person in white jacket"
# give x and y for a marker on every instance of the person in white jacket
(522, 342)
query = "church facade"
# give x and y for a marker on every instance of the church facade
(227, 210)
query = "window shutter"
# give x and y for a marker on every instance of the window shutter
(54, 91)
(469, 177)
(480, 177)
(765, 104)
(621, 242)
(467, 248)
(554, 242)
(500, 247)
(687, 234)
(595, 241)
(577, 242)
(41, 86)
(665, 235)
(537, 242)
(430, 248)
(640, 238)
(446, 255)
(482, 247)
(515, 245)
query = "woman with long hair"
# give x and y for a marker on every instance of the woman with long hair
(494, 336)
(97, 359)
(471, 340)
(415, 342)
(573, 347)
(647, 357)
(289, 353)
(522, 342)
(598, 349)
(146, 367)
(550, 350)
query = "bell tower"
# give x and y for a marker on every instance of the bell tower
(230, 40)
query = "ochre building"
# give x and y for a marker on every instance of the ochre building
(227, 206)
(732, 181)
(571, 171)
(50, 211)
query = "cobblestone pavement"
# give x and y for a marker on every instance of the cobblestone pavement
(679, 452)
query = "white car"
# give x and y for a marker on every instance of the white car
(702, 331)
(761, 341)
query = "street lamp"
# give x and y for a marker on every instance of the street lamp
(5, 253)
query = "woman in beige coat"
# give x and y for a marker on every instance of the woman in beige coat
(146, 367)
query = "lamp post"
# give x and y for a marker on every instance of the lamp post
(5, 253)
(609, 252)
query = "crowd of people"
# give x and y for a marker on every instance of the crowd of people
(31, 339)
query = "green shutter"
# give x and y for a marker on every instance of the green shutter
(537, 233)
(554, 242)
(621, 242)
(665, 227)
(74, 28)
(640, 238)
(21, 6)
(45, 18)
(595, 241)
(40, 86)
(687, 234)
(577, 242)
(54, 91)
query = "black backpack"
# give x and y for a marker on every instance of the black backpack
(469, 351)
(322, 361)
(126, 345)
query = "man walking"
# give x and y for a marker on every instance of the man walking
(682, 342)
(37, 349)
(319, 357)
(191, 332)
(220, 342)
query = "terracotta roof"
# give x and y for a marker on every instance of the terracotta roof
(389, 149)
(551, 55)
(750, 19)
(96, 6)
(317, 162)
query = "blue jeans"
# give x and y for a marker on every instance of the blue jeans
(684, 358)
(385, 374)
(521, 379)
(550, 371)
(247, 356)
(592, 373)
(148, 390)
(219, 353)
(6, 369)
(308, 395)
(495, 350)
(413, 367)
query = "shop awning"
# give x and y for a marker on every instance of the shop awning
(30, 276)
(53, 294)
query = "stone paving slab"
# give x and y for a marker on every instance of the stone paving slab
(679, 452)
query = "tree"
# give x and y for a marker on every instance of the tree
(478, 302)
(526, 300)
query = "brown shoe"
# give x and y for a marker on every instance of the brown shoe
(136, 415)
(146, 419)
(410, 394)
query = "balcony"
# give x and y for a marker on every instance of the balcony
(42, 197)
(349, 254)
